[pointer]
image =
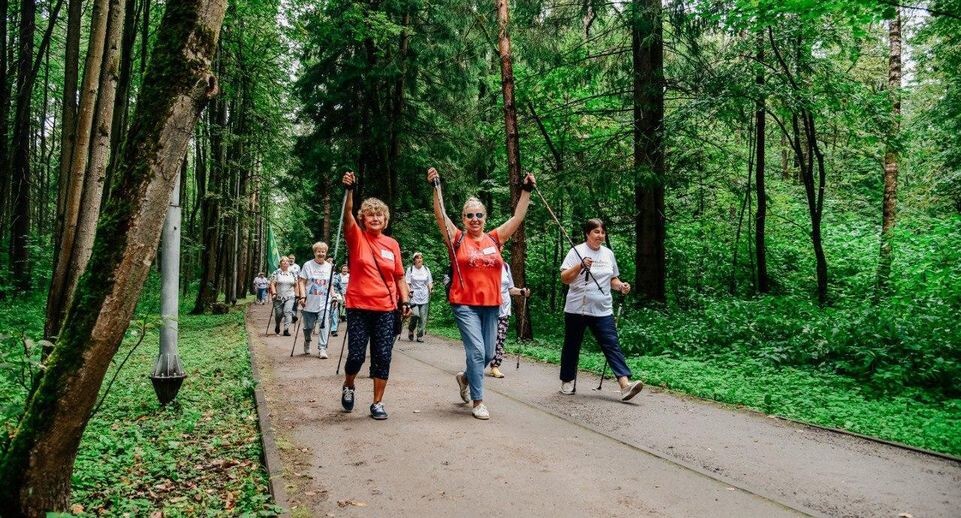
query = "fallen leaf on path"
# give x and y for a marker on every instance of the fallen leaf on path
(905, 515)
(345, 503)
(732, 489)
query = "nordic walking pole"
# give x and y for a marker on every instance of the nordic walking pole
(617, 317)
(270, 316)
(296, 332)
(450, 238)
(569, 240)
(524, 321)
(330, 281)
(342, 344)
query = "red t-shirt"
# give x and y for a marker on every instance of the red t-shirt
(368, 252)
(480, 264)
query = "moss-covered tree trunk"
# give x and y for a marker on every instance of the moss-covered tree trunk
(36, 469)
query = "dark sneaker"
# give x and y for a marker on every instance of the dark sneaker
(334, 333)
(347, 399)
(277, 329)
(410, 336)
(377, 411)
(286, 332)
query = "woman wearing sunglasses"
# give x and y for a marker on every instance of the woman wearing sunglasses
(475, 293)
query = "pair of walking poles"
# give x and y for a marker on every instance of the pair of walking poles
(587, 273)
(330, 280)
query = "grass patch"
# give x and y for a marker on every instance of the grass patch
(200, 455)
(912, 416)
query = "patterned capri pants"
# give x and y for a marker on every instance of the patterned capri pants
(502, 323)
(376, 327)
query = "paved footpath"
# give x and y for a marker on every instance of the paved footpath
(546, 454)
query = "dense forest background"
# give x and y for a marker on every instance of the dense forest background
(781, 179)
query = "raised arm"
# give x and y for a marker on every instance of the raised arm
(446, 226)
(505, 231)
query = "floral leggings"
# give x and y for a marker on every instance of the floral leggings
(499, 344)
(377, 328)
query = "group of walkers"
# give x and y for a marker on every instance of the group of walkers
(479, 286)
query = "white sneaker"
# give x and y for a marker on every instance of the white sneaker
(631, 390)
(480, 412)
(323, 353)
(464, 387)
(568, 388)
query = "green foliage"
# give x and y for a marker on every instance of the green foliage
(199, 454)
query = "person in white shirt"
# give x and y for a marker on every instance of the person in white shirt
(591, 273)
(292, 261)
(421, 284)
(261, 283)
(503, 319)
(313, 291)
(283, 291)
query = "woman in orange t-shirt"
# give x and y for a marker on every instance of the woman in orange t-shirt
(475, 286)
(376, 287)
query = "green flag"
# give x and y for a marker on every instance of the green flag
(273, 255)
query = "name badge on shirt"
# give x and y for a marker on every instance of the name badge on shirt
(489, 250)
(387, 254)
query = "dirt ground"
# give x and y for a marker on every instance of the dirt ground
(546, 454)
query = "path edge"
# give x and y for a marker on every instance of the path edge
(275, 476)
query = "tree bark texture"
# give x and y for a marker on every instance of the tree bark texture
(210, 212)
(647, 48)
(65, 279)
(760, 248)
(20, 180)
(889, 205)
(36, 469)
(516, 176)
(4, 119)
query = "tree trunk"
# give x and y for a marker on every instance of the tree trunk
(121, 107)
(514, 173)
(397, 108)
(36, 468)
(65, 278)
(648, 55)
(4, 123)
(210, 212)
(759, 134)
(889, 206)
(68, 134)
(20, 185)
(100, 128)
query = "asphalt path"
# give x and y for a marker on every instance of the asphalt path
(547, 454)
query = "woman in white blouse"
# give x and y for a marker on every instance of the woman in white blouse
(591, 273)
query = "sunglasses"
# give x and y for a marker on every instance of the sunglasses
(473, 215)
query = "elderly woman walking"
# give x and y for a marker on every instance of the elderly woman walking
(475, 289)
(376, 289)
(283, 286)
(591, 273)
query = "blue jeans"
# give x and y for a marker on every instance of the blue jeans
(478, 331)
(604, 331)
(311, 320)
(334, 317)
(261, 294)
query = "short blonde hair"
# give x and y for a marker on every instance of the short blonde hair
(319, 244)
(372, 206)
(470, 202)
